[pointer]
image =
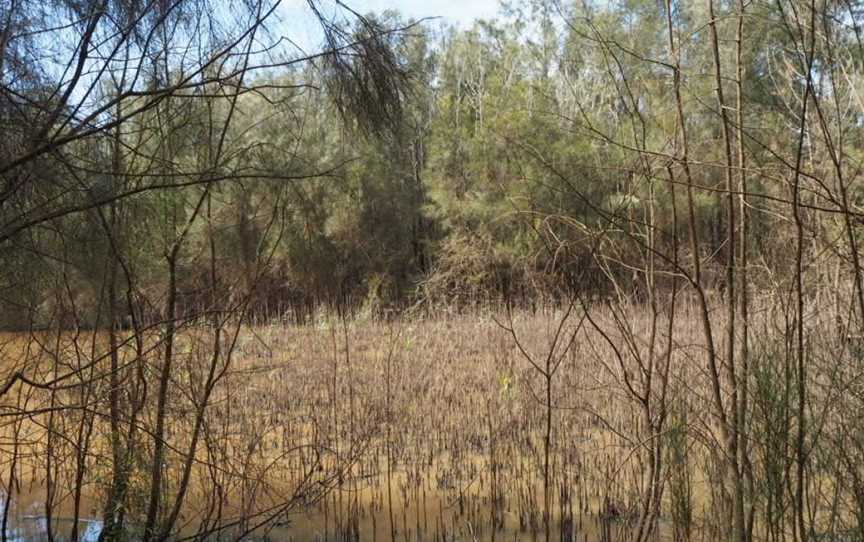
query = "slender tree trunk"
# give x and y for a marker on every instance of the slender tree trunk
(743, 280)
(801, 372)
(696, 278)
(547, 447)
(151, 527)
(733, 468)
(114, 502)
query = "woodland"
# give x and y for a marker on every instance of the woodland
(586, 270)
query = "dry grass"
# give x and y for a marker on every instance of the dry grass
(303, 416)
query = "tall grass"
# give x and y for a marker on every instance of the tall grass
(435, 428)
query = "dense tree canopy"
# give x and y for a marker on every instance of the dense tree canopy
(490, 174)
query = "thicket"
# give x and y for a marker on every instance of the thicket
(519, 154)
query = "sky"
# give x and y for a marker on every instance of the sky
(462, 13)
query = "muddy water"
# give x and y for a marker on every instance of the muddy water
(361, 511)
(439, 520)
(28, 523)
(465, 437)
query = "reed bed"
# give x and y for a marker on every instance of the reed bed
(425, 428)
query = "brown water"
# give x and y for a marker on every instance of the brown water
(464, 440)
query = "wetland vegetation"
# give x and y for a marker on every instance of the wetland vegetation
(585, 271)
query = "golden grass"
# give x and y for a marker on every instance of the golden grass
(303, 416)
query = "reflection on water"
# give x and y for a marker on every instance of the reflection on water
(28, 526)
(35, 529)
